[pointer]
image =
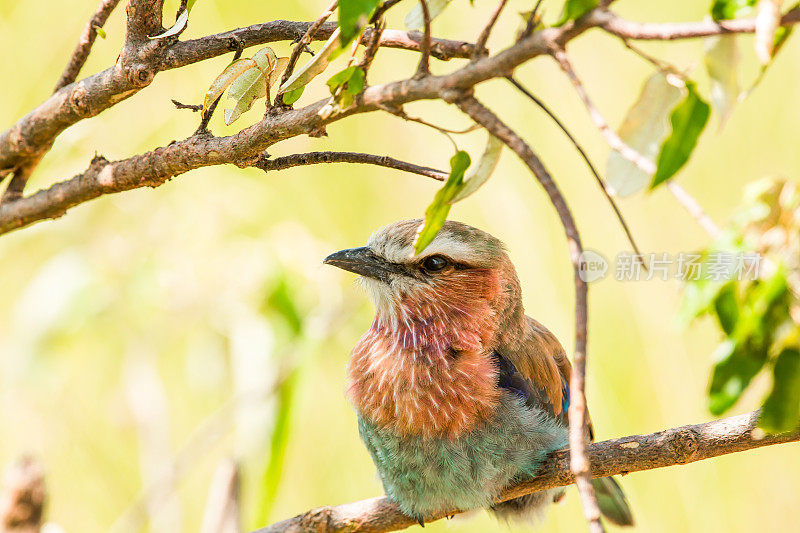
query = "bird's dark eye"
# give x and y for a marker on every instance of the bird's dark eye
(434, 263)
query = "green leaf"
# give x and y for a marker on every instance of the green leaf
(285, 401)
(726, 306)
(745, 352)
(281, 299)
(290, 97)
(486, 165)
(101, 32)
(575, 9)
(345, 85)
(781, 410)
(436, 213)
(730, 9)
(722, 64)
(255, 83)
(354, 15)
(735, 369)
(190, 4)
(415, 19)
(644, 129)
(688, 120)
(315, 66)
(231, 72)
(179, 26)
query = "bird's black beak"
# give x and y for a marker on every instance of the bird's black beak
(365, 262)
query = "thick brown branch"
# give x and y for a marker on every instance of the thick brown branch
(156, 167)
(187, 52)
(85, 43)
(578, 418)
(636, 453)
(35, 132)
(313, 158)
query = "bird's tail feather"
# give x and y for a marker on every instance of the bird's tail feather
(612, 501)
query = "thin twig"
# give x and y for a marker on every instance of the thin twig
(206, 116)
(193, 107)
(578, 418)
(304, 42)
(400, 112)
(383, 8)
(84, 46)
(586, 159)
(636, 453)
(608, 134)
(372, 47)
(423, 68)
(480, 44)
(532, 22)
(313, 158)
(643, 163)
(670, 31)
(660, 64)
(694, 208)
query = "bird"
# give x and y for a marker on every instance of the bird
(458, 394)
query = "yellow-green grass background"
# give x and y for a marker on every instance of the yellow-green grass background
(155, 298)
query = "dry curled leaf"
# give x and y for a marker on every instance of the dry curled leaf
(223, 81)
(255, 83)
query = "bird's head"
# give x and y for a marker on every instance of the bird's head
(463, 280)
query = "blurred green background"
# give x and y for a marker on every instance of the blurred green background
(147, 336)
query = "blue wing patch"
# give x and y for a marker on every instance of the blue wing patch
(510, 379)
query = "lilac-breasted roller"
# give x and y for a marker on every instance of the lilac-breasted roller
(459, 394)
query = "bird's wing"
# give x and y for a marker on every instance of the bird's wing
(536, 365)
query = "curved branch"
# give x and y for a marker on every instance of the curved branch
(676, 446)
(578, 417)
(313, 158)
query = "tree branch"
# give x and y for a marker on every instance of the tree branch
(578, 418)
(304, 41)
(85, 43)
(22, 497)
(610, 136)
(480, 43)
(676, 446)
(670, 31)
(425, 46)
(35, 132)
(313, 158)
(32, 135)
(585, 157)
